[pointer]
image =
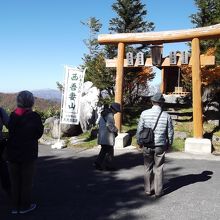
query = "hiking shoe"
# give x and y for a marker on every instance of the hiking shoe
(32, 207)
(157, 196)
(148, 193)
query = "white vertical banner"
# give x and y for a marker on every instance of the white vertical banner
(73, 87)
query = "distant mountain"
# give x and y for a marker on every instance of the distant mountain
(8, 101)
(49, 94)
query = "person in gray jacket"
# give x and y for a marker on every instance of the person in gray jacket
(154, 156)
(106, 137)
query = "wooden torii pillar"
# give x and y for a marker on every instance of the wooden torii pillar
(119, 82)
(196, 90)
(157, 38)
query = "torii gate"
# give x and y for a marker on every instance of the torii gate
(156, 38)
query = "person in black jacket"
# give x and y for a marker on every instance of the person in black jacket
(25, 128)
(4, 175)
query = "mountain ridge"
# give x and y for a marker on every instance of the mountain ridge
(8, 102)
(49, 94)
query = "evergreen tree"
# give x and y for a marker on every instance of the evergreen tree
(208, 14)
(94, 26)
(96, 71)
(131, 19)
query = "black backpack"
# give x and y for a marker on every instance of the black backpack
(146, 136)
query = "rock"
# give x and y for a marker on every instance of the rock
(89, 106)
(68, 130)
(55, 128)
(216, 139)
(89, 115)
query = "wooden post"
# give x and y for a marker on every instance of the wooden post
(119, 83)
(196, 89)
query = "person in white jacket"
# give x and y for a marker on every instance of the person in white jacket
(106, 137)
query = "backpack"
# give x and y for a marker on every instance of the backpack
(146, 136)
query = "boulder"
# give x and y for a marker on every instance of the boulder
(89, 110)
(89, 115)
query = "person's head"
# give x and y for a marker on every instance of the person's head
(157, 99)
(115, 107)
(25, 99)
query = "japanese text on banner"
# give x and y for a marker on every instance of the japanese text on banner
(74, 79)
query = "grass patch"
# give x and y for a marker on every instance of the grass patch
(184, 127)
(186, 110)
(178, 145)
(86, 140)
(217, 133)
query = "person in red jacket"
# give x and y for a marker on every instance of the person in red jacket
(25, 128)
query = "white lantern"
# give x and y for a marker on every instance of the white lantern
(140, 59)
(173, 57)
(184, 57)
(130, 60)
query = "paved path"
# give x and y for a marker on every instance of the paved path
(68, 188)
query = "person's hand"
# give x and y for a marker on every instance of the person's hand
(168, 148)
(141, 146)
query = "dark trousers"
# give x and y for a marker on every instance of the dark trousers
(153, 169)
(4, 173)
(4, 176)
(21, 175)
(105, 156)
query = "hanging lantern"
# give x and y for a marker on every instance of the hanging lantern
(156, 54)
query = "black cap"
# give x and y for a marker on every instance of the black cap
(116, 106)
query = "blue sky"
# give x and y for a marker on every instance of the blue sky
(39, 37)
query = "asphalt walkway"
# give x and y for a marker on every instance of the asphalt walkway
(67, 187)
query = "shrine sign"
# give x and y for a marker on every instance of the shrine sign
(73, 87)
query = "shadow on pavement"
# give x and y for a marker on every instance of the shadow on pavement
(70, 189)
(181, 181)
(67, 187)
